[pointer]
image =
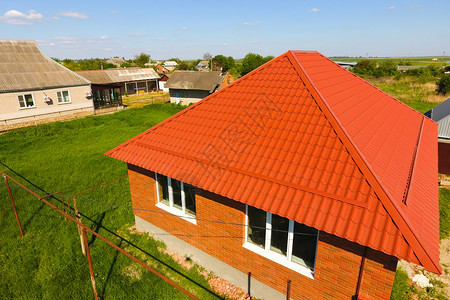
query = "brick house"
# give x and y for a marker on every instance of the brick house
(298, 172)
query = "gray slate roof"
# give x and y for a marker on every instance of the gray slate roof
(441, 114)
(109, 76)
(24, 68)
(193, 80)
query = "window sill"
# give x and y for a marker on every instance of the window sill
(177, 212)
(28, 107)
(279, 259)
(64, 102)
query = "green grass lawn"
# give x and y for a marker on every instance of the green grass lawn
(68, 157)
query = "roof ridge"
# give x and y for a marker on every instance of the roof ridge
(373, 180)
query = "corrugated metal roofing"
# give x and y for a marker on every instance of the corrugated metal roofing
(23, 67)
(109, 76)
(304, 138)
(193, 80)
(441, 114)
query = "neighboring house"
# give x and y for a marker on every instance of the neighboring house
(162, 82)
(160, 69)
(35, 89)
(441, 114)
(116, 61)
(320, 180)
(202, 66)
(187, 87)
(407, 68)
(170, 65)
(108, 86)
(346, 65)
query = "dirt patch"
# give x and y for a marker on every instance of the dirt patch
(183, 261)
(133, 271)
(225, 288)
(413, 269)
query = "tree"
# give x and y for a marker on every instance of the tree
(222, 63)
(184, 65)
(142, 59)
(207, 56)
(250, 62)
(443, 85)
(365, 67)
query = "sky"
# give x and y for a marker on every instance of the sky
(188, 29)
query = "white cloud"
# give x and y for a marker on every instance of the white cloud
(314, 9)
(104, 37)
(137, 34)
(108, 49)
(250, 23)
(184, 28)
(391, 7)
(65, 40)
(225, 44)
(161, 39)
(73, 14)
(16, 17)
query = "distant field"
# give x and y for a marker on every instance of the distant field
(415, 61)
(142, 100)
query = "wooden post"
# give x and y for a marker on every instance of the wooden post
(249, 280)
(13, 205)
(80, 231)
(91, 270)
(288, 294)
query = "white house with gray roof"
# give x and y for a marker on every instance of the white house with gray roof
(35, 89)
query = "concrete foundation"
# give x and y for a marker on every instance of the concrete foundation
(210, 263)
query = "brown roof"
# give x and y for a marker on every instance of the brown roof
(23, 67)
(119, 75)
(193, 80)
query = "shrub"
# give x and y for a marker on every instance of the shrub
(400, 288)
(443, 84)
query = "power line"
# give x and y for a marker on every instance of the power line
(163, 212)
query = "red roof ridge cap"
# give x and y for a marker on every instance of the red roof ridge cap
(384, 196)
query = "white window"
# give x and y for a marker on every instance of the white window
(176, 197)
(26, 101)
(284, 241)
(63, 97)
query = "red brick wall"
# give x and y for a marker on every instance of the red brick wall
(444, 158)
(337, 264)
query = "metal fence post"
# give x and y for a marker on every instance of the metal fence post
(91, 270)
(13, 205)
(80, 231)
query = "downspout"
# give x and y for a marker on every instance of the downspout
(361, 271)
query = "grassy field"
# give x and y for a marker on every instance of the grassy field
(415, 61)
(420, 96)
(68, 157)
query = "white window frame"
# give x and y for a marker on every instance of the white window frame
(62, 97)
(26, 107)
(274, 256)
(171, 208)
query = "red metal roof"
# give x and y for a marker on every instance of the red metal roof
(306, 139)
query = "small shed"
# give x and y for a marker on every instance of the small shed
(441, 114)
(187, 87)
(108, 86)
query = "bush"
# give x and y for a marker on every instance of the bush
(443, 84)
(444, 213)
(400, 288)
